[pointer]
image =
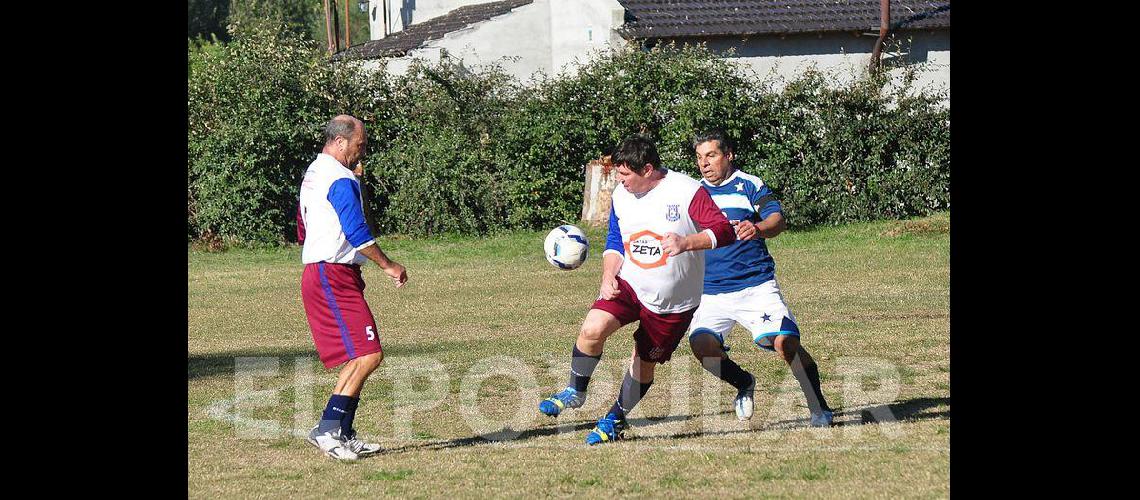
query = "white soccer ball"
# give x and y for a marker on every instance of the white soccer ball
(566, 247)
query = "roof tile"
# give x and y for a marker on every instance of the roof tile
(686, 18)
(413, 37)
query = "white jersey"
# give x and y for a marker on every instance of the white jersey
(332, 214)
(664, 284)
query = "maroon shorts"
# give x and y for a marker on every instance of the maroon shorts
(657, 335)
(343, 326)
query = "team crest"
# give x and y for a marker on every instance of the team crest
(674, 213)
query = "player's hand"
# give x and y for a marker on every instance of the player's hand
(609, 289)
(673, 244)
(746, 230)
(398, 274)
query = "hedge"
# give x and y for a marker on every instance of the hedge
(469, 151)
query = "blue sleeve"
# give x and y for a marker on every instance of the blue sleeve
(613, 237)
(344, 194)
(765, 202)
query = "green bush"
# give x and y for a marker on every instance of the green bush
(255, 109)
(456, 150)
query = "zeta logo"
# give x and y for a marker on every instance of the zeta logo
(673, 214)
(644, 249)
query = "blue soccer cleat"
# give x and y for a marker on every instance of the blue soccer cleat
(568, 398)
(609, 429)
(821, 419)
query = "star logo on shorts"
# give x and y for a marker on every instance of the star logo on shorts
(767, 318)
(740, 186)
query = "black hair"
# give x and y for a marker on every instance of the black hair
(717, 135)
(635, 152)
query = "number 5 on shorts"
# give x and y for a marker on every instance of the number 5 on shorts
(371, 334)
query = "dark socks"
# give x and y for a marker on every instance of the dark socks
(631, 393)
(582, 367)
(349, 416)
(807, 374)
(727, 370)
(335, 411)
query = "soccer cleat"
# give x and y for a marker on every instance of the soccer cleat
(361, 448)
(332, 444)
(821, 419)
(609, 428)
(743, 402)
(568, 398)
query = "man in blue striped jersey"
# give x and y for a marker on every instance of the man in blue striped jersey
(740, 283)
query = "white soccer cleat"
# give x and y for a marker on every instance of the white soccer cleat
(332, 444)
(744, 402)
(361, 448)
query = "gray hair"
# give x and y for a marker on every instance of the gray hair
(341, 126)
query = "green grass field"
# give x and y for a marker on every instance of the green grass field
(483, 331)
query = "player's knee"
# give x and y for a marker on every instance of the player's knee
(592, 332)
(372, 361)
(705, 346)
(787, 346)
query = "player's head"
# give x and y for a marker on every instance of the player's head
(714, 156)
(346, 140)
(636, 161)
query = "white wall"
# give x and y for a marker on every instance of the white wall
(551, 35)
(843, 56)
(404, 13)
(519, 41)
(375, 20)
(579, 28)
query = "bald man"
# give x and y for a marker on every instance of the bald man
(336, 241)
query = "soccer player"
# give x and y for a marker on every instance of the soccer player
(652, 273)
(740, 284)
(336, 241)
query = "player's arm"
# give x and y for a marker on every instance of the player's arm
(300, 224)
(612, 258)
(772, 221)
(392, 268)
(345, 199)
(717, 232)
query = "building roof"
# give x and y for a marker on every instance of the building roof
(413, 37)
(700, 18)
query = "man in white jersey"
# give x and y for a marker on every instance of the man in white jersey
(652, 273)
(337, 240)
(740, 284)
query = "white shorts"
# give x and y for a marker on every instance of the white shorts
(759, 309)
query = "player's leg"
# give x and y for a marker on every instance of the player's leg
(604, 318)
(656, 338)
(774, 328)
(711, 323)
(584, 359)
(806, 371)
(634, 385)
(364, 335)
(638, 378)
(344, 332)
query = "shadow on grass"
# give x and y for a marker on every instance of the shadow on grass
(222, 364)
(910, 410)
(509, 435)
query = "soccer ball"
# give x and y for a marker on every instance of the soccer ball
(566, 247)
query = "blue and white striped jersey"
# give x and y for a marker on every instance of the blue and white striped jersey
(742, 264)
